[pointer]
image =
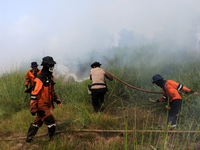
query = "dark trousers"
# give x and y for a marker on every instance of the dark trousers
(98, 98)
(44, 116)
(175, 108)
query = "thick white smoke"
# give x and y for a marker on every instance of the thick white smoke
(70, 31)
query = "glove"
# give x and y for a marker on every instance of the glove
(196, 93)
(33, 113)
(58, 102)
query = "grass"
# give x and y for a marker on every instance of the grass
(67, 115)
(124, 108)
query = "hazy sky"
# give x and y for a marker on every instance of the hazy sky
(65, 29)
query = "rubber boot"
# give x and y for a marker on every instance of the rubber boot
(172, 121)
(51, 131)
(31, 132)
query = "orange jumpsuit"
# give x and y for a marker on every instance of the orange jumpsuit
(42, 98)
(30, 76)
(170, 91)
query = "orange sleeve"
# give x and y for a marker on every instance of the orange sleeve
(34, 94)
(180, 87)
(164, 97)
(56, 99)
(185, 89)
(27, 79)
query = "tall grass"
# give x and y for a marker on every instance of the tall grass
(12, 96)
(136, 66)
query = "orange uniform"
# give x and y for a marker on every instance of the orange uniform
(30, 76)
(42, 99)
(170, 91)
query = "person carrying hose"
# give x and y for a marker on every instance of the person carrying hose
(170, 90)
(98, 88)
(42, 98)
(30, 76)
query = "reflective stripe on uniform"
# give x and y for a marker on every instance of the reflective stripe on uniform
(27, 80)
(164, 97)
(180, 86)
(51, 125)
(35, 125)
(33, 97)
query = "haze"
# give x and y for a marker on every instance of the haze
(68, 30)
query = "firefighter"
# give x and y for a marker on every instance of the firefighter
(170, 90)
(98, 88)
(42, 98)
(30, 76)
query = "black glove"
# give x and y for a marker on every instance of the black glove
(58, 101)
(33, 113)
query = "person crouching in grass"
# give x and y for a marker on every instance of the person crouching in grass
(170, 90)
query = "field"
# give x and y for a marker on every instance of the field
(143, 123)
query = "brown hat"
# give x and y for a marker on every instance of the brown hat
(95, 64)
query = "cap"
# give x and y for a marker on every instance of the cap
(156, 78)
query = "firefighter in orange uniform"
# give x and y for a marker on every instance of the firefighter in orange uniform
(170, 90)
(30, 76)
(42, 98)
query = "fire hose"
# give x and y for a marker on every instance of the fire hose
(133, 86)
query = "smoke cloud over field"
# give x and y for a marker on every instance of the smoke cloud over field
(76, 33)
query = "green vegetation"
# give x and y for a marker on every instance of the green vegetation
(124, 108)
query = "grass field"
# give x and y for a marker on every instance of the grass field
(124, 108)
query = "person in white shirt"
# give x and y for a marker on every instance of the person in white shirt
(98, 88)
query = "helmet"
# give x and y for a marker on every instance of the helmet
(47, 60)
(156, 78)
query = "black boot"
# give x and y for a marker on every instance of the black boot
(172, 121)
(31, 132)
(51, 131)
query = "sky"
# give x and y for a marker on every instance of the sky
(70, 29)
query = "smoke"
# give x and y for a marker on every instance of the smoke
(77, 33)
